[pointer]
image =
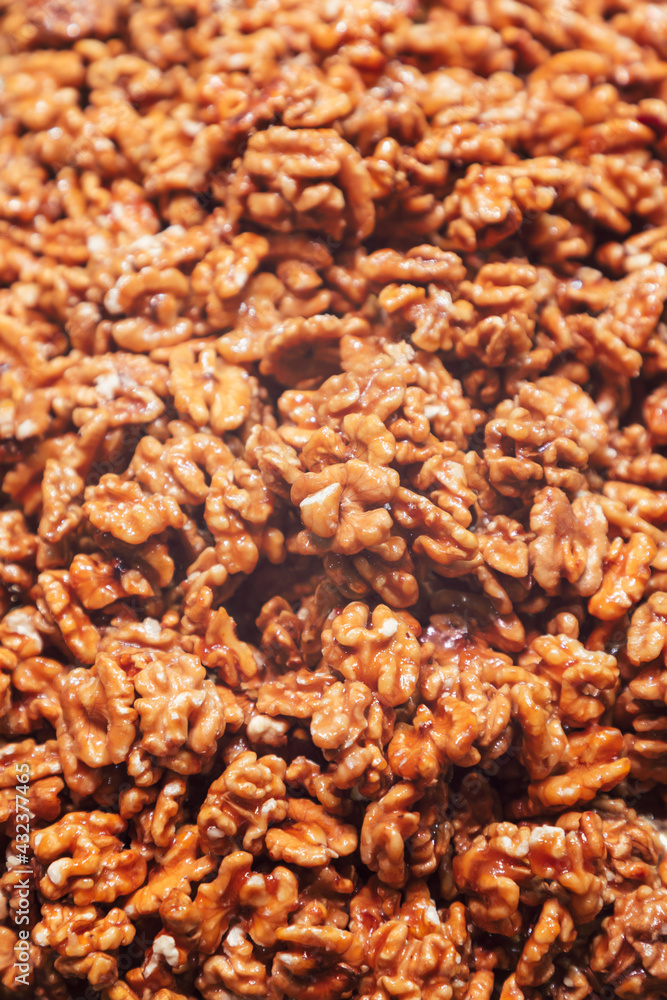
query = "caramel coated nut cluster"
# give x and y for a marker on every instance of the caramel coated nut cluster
(333, 533)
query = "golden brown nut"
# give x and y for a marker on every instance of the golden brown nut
(343, 507)
(177, 707)
(122, 509)
(283, 162)
(84, 936)
(98, 712)
(380, 649)
(313, 837)
(98, 870)
(247, 798)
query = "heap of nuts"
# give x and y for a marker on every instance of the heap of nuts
(333, 536)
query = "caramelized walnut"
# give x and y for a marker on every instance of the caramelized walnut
(379, 649)
(178, 708)
(97, 869)
(84, 937)
(246, 799)
(338, 202)
(343, 507)
(122, 509)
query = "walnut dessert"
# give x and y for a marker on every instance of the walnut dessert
(333, 532)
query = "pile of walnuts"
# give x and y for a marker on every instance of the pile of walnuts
(333, 536)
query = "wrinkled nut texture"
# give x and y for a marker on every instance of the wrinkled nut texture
(333, 564)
